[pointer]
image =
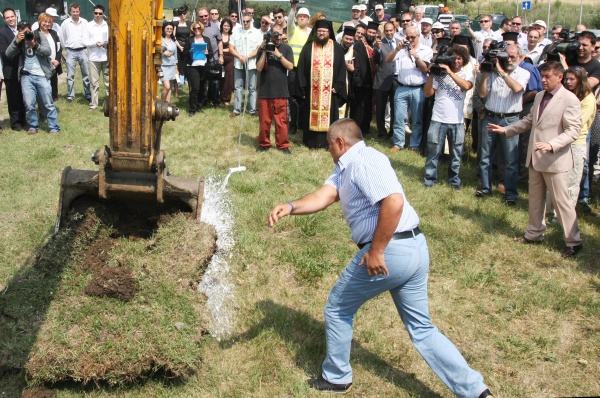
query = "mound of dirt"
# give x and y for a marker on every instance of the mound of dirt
(115, 282)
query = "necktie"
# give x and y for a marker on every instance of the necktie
(545, 100)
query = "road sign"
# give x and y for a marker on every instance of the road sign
(527, 5)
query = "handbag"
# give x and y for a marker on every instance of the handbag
(213, 71)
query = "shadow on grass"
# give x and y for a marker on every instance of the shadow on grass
(306, 337)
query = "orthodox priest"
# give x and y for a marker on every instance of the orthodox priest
(321, 82)
(361, 101)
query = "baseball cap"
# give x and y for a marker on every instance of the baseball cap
(363, 7)
(303, 11)
(356, 7)
(437, 25)
(427, 20)
(379, 7)
(440, 6)
(52, 12)
(541, 23)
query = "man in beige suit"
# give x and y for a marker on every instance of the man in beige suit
(555, 121)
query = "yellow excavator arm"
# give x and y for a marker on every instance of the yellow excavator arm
(133, 167)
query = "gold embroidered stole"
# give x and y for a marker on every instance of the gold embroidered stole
(321, 84)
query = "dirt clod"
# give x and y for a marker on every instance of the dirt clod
(114, 282)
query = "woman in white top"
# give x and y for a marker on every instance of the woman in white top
(169, 60)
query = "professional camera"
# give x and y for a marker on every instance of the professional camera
(269, 37)
(495, 52)
(441, 58)
(567, 44)
(28, 35)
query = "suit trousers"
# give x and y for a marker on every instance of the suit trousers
(557, 186)
(16, 108)
(381, 99)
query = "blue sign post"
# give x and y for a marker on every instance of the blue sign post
(527, 5)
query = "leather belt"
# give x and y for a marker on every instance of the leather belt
(76, 49)
(501, 115)
(398, 235)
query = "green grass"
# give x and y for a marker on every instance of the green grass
(521, 315)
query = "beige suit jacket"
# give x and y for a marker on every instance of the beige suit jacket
(559, 126)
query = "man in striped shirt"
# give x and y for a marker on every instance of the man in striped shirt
(385, 228)
(502, 90)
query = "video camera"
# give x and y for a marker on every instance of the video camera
(268, 38)
(441, 58)
(495, 52)
(567, 44)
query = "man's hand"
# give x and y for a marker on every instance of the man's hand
(543, 146)
(499, 67)
(446, 68)
(242, 59)
(279, 212)
(375, 263)
(20, 37)
(494, 128)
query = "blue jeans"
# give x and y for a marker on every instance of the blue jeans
(435, 145)
(32, 88)
(404, 98)
(239, 76)
(584, 188)
(408, 263)
(510, 148)
(73, 58)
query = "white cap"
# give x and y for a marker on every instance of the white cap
(540, 22)
(363, 7)
(427, 20)
(52, 12)
(437, 25)
(303, 11)
(356, 7)
(379, 7)
(440, 6)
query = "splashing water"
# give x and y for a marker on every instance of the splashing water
(216, 284)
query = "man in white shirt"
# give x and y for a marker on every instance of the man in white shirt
(540, 26)
(97, 42)
(411, 60)
(73, 37)
(405, 23)
(426, 36)
(516, 24)
(534, 48)
(419, 12)
(485, 21)
(244, 47)
(363, 14)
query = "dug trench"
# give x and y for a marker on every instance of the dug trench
(109, 300)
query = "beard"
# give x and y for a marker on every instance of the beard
(510, 67)
(322, 41)
(370, 40)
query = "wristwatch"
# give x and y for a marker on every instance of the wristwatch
(503, 75)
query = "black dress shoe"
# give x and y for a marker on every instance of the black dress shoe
(262, 149)
(523, 239)
(319, 383)
(571, 251)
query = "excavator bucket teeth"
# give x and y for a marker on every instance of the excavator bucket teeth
(186, 193)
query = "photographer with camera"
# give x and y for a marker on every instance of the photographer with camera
(502, 89)
(486, 32)
(35, 72)
(587, 42)
(450, 84)
(411, 63)
(275, 59)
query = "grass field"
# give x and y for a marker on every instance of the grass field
(525, 318)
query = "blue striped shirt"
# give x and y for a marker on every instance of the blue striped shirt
(363, 177)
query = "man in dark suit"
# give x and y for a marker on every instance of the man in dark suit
(554, 121)
(384, 80)
(10, 69)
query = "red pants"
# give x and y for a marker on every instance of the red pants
(273, 109)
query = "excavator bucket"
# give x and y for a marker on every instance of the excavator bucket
(133, 168)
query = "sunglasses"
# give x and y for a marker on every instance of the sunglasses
(279, 17)
(574, 69)
(516, 23)
(246, 21)
(203, 16)
(406, 20)
(411, 37)
(98, 13)
(233, 16)
(485, 21)
(197, 28)
(264, 23)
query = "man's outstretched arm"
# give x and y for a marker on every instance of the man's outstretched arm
(308, 204)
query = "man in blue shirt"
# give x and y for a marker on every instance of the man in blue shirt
(393, 256)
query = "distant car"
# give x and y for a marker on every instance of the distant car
(496, 22)
(431, 11)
